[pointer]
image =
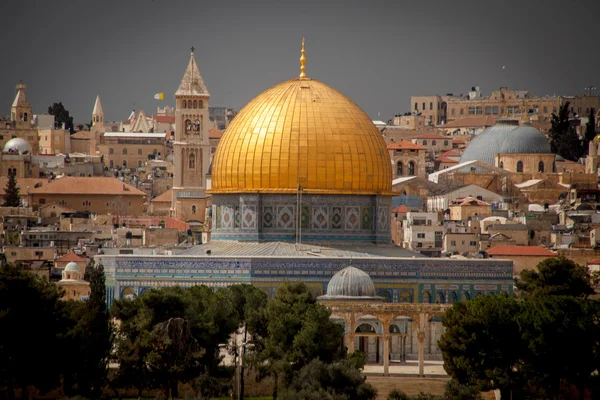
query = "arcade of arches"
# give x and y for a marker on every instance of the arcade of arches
(390, 332)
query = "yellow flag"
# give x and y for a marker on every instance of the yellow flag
(159, 96)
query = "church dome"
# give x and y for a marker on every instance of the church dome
(506, 137)
(351, 284)
(72, 266)
(302, 133)
(525, 140)
(17, 145)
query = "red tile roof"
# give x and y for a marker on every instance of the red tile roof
(400, 209)
(459, 140)
(86, 185)
(405, 145)
(70, 257)
(595, 261)
(164, 197)
(432, 136)
(451, 153)
(214, 133)
(447, 160)
(520, 251)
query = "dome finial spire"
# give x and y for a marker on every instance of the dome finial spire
(302, 62)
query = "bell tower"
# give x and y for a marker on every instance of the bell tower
(191, 148)
(97, 129)
(20, 112)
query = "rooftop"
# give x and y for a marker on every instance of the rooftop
(468, 122)
(224, 248)
(136, 135)
(405, 145)
(520, 251)
(70, 257)
(86, 185)
(432, 136)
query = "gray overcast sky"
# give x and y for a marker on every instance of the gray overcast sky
(378, 53)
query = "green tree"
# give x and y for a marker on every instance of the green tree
(590, 128)
(298, 331)
(556, 276)
(61, 116)
(456, 391)
(11, 192)
(481, 344)
(561, 337)
(339, 380)
(32, 323)
(142, 344)
(563, 137)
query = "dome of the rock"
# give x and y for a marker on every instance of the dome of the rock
(301, 133)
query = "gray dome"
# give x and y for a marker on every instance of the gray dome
(17, 145)
(525, 140)
(505, 137)
(351, 284)
(72, 266)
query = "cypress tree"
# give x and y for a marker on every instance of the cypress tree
(11, 192)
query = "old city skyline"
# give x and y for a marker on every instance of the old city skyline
(378, 55)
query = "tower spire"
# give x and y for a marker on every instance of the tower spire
(302, 62)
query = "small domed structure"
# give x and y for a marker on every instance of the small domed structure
(351, 284)
(17, 145)
(72, 266)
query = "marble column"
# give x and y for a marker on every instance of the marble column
(350, 343)
(386, 354)
(421, 338)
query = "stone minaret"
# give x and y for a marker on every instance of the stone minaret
(592, 160)
(20, 112)
(191, 148)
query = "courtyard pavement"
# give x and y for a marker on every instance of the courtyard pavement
(410, 367)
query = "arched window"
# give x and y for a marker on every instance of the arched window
(200, 104)
(111, 164)
(195, 104)
(192, 161)
(424, 142)
(139, 152)
(154, 151)
(501, 164)
(197, 125)
(445, 143)
(519, 166)
(193, 209)
(411, 168)
(139, 163)
(184, 104)
(541, 166)
(25, 117)
(399, 168)
(124, 151)
(188, 126)
(433, 142)
(416, 106)
(111, 151)
(125, 163)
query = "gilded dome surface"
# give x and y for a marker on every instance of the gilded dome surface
(302, 133)
(506, 137)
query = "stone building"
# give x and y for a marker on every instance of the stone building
(15, 159)
(523, 257)
(21, 123)
(99, 195)
(440, 109)
(592, 161)
(408, 159)
(131, 150)
(73, 284)
(467, 208)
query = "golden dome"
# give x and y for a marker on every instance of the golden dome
(302, 133)
(597, 138)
